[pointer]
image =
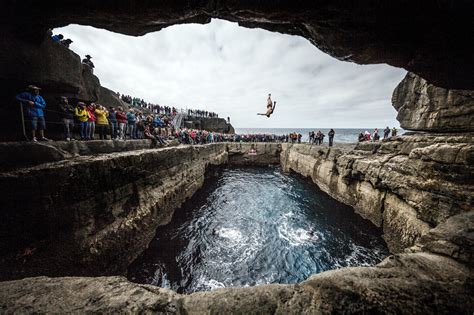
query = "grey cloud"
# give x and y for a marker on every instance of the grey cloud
(229, 69)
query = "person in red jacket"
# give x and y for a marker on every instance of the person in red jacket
(122, 122)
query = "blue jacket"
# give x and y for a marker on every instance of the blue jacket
(131, 117)
(157, 122)
(37, 109)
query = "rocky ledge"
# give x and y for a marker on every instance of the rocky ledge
(103, 210)
(406, 185)
(417, 283)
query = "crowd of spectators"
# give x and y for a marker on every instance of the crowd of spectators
(164, 110)
(120, 124)
(91, 120)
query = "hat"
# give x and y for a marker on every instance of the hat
(88, 56)
(33, 87)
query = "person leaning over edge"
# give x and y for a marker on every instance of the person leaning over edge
(34, 105)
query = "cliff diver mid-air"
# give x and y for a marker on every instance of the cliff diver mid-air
(270, 107)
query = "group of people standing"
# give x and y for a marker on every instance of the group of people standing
(367, 136)
(318, 137)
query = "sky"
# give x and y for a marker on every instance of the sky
(228, 69)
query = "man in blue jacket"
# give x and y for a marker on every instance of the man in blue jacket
(34, 104)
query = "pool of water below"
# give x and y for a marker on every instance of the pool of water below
(251, 226)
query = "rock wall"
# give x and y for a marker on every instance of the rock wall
(78, 211)
(418, 283)
(51, 66)
(423, 106)
(265, 153)
(93, 215)
(110, 98)
(210, 124)
(14, 155)
(409, 185)
(361, 31)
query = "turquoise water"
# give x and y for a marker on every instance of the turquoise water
(250, 226)
(347, 135)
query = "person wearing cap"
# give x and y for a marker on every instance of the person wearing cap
(66, 42)
(88, 61)
(34, 105)
(82, 116)
(67, 117)
(57, 38)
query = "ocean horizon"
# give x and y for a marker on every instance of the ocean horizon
(343, 135)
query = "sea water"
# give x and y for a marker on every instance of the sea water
(348, 135)
(251, 226)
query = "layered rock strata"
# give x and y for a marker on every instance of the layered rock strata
(262, 154)
(215, 124)
(409, 185)
(93, 215)
(14, 155)
(418, 188)
(423, 106)
(416, 283)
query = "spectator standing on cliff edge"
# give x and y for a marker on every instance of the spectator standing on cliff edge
(67, 117)
(331, 134)
(34, 105)
(394, 132)
(87, 61)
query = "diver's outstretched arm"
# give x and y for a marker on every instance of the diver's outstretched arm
(274, 105)
(262, 114)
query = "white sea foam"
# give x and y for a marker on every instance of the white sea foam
(231, 234)
(209, 284)
(295, 237)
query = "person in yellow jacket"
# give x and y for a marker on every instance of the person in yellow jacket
(102, 122)
(82, 116)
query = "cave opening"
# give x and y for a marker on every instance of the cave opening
(230, 69)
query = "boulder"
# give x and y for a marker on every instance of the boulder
(423, 106)
(109, 98)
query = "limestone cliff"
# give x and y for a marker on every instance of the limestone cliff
(101, 211)
(95, 214)
(210, 124)
(410, 183)
(423, 106)
(432, 44)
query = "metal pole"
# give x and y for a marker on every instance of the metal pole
(23, 122)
